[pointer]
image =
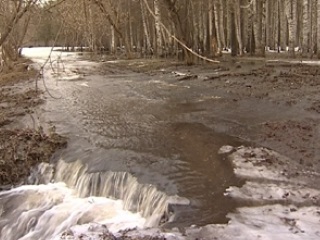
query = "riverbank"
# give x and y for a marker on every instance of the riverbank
(274, 103)
(22, 147)
(160, 125)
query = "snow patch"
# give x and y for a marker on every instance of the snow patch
(270, 192)
(225, 149)
(266, 223)
(257, 163)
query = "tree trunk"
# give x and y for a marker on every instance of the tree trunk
(229, 22)
(270, 23)
(158, 28)
(283, 25)
(233, 35)
(222, 24)
(244, 23)
(318, 27)
(181, 28)
(289, 6)
(237, 18)
(216, 42)
(314, 24)
(258, 28)
(211, 13)
(113, 46)
(305, 29)
(145, 27)
(276, 26)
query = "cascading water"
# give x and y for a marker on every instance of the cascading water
(61, 197)
(127, 129)
(143, 198)
(78, 197)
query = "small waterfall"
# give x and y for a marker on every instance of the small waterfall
(142, 198)
(45, 211)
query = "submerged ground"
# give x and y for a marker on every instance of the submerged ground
(265, 102)
(164, 123)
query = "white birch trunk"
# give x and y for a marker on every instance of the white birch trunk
(289, 8)
(221, 23)
(314, 24)
(145, 26)
(237, 14)
(113, 40)
(245, 23)
(217, 23)
(283, 25)
(318, 29)
(257, 26)
(158, 27)
(210, 24)
(306, 28)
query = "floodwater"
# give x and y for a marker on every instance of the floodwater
(131, 138)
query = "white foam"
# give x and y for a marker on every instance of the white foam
(266, 223)
(270, 192)
(297, 217)
(49, 210)
(253, 163)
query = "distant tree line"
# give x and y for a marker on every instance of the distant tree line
(167, 28)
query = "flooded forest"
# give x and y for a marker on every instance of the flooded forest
(159, 119)
(186, 30)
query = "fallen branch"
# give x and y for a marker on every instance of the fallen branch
(179, 74)
(178, 40)
(188, 77)
(208, 78)
(231, 74)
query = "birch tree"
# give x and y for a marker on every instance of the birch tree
(306, 28)
(318, 32)
(290, 13)
(258, 27)
(183, 27)
(283, 25)
(12, 12)
(145, 26)
(158, 27)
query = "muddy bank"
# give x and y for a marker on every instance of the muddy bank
(138, 114)
(21, 148)
(268, 102)
(20, 72)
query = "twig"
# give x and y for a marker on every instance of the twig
(41, 71)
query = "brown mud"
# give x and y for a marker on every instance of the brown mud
(21, 148)
(274, 103)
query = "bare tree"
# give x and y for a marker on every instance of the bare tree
(306, 29)
(318, 25)
(290, 6)
(183, 28)
(11, 14)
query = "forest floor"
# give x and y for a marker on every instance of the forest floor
(21, 147)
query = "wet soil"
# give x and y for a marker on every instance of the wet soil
(21, 148)
(267, 102)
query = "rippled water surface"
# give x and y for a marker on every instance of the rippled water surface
(143, 125)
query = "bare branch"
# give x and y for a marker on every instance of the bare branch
(178, 40)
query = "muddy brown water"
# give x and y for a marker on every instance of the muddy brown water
(143, 125)
(167, 132)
